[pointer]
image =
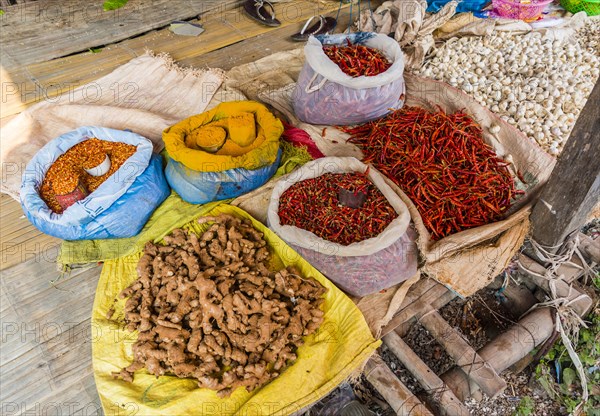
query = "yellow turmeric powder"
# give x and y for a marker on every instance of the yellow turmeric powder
(242, 128)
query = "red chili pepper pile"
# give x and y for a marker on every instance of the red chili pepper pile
(357, 60)
(314, 205)
(442, 163)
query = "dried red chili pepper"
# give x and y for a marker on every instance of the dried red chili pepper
(443, 165)
(358, 60)
(314, 205)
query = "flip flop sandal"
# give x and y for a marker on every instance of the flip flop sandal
(256, 10)
(323, 26)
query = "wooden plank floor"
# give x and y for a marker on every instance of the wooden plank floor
(45, 351)
(55, 29)
(45, 359)
(30, 83)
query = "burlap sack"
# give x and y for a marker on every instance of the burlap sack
(409, 24)
(146, 95)
(466, 261)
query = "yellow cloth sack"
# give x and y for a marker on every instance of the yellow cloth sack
(261, 152)
(331, 355)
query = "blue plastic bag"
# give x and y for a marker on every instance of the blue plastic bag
(201, 187)
(434, 6)
(119, 208)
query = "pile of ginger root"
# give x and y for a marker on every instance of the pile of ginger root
(208, 308)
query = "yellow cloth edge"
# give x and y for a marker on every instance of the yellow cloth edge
(343, 375)
(340, 376)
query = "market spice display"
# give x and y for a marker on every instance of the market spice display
(357, 60)
(67, 172)
(207, 307)
(443, 165)
(314, 205)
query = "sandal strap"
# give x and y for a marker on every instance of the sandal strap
(306, 25)
(321, 24)
(260, 4)
(318, 29)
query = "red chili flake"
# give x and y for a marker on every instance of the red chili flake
(67, 172)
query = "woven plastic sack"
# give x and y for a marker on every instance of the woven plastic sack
(201, 187)
(118, 208)
(326, 95)
(333, 354)
(359, 268)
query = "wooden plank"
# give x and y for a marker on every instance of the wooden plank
(574, 185)
(56, 29)
(519, 299)
(19, 239)
(43, 81)
(534, 272)
(435, 387)
(590, 248)
(37, 310)
(463, 354)
(436, 304)
(398, 396)
(571, 272)
(31, 244)
(506, 349)
(46, 344)
(9, 211)
(417, 290)
(5, 199)
(79, 398)
(437, 293)
(10, 227)
(15, 227)
(258, 47)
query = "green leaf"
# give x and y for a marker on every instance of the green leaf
(114, 4)
(547, 385)
(525, 407)
(586, 360)
(95, 50)
(571, 404)
(569, 376)
(592, 408)
(1, 12)
(586, 335)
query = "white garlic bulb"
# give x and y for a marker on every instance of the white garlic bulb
(538, 85)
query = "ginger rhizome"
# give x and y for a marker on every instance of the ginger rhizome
(207, 307)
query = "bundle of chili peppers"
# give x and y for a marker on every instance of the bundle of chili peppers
(314, 205)
(357, 60)
(443, 165)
